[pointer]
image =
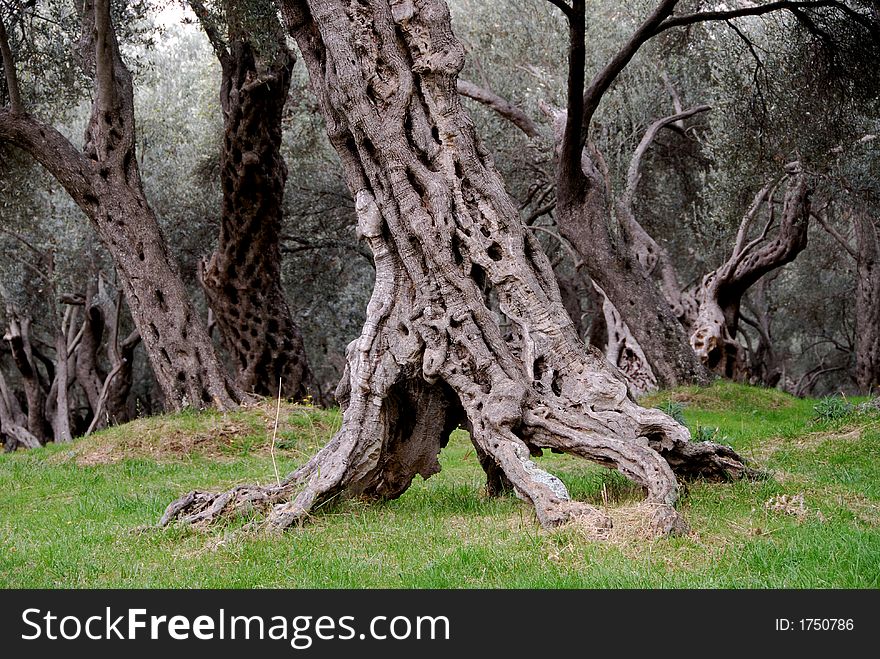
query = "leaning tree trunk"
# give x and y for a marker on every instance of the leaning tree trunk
(61, 404)
(867, 232)
(18, 334)
(242, 279)
(105, 183)
(13, 421)
(431, 355)
(584, 220)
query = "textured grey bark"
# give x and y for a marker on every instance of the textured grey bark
(585, 214)
(721, 291)
(13, 421)
(106, 391)
(431, 355)
(242, 278)
(623, 350)
(867, 231)
(18, 335)
(585, 220)
(105, 183)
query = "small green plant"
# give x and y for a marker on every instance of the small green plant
(869, 407)
(673, 409)
(705, 434)
(833, 408)
(709, 434)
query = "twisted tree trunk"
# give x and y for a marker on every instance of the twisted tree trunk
(13, 421)
(867, 231)
(720, 294)
(242, 278)
(89, 373)
(18, 334)
(585, 212)
(622, 350)
(106, 391)
(431, 355)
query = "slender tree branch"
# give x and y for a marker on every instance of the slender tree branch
(304, 245)
(129, 342)
(102, 400)
(755, 10)
(30, 266)
(543, 210)
(502, 106)
(757, 241)
(576, 259)
(834, 233)
(759, 256)
(210, 28)
(676, 98)
(12, 87)
(659, 21)
(812, 377)
(603, 79)
(634, 173)
(756, 325)
(73, 344)
(22, 240)
(564, 7)
(743, 231)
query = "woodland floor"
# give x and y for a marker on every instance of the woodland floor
(81, 515)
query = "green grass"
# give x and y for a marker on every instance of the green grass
(81, 515)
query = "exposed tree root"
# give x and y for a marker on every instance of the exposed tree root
(413, 424)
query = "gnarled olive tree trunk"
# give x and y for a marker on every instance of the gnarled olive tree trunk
(585, 219)
(585, 216)
(431, 356)
(18, 335)
(106, 392)
(242, 278)
(714, 331)
(13, 421)
(867, 231)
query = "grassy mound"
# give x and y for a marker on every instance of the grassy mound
(210, 434)
(82, 515)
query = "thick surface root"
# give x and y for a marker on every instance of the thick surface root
(203, 508)
(708, 460)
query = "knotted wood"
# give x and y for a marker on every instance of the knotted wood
(431, 355)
